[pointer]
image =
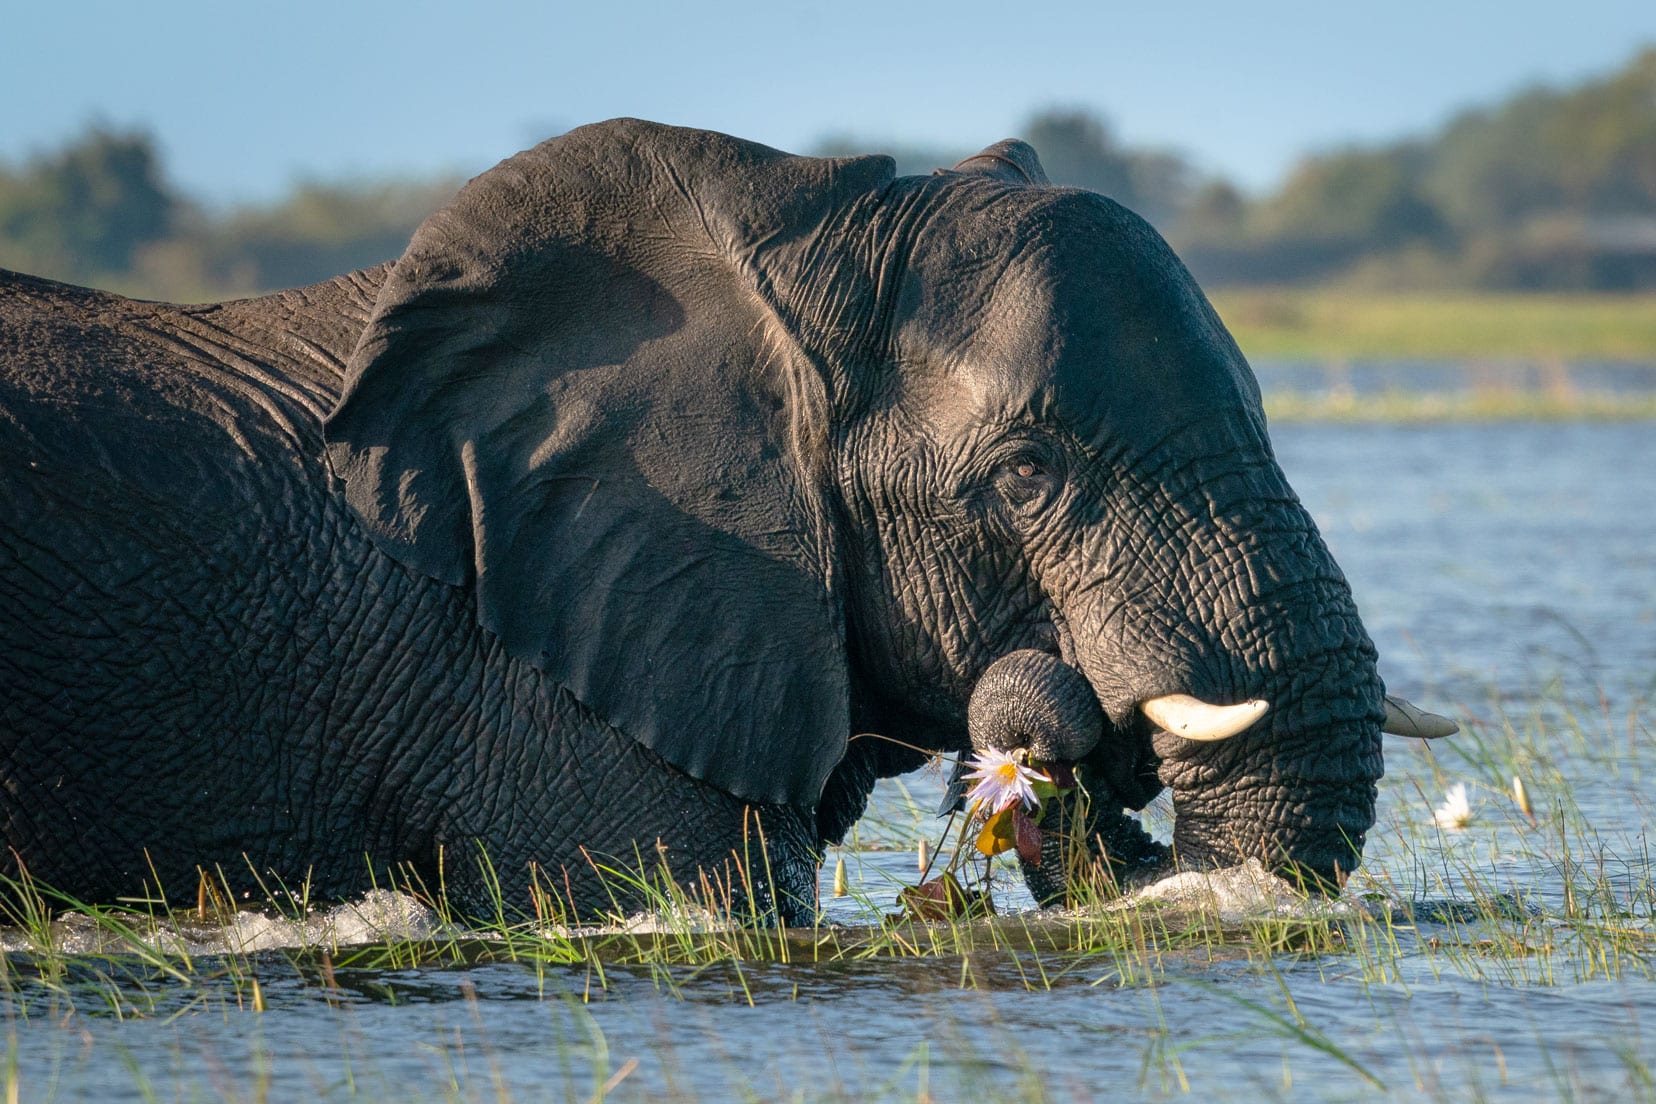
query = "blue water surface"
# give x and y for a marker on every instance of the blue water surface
(1507, 573)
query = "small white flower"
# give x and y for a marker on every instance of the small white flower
(1456, 811)
(999, 781)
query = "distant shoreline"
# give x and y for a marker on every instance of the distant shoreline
(1475, 327)
(1445, 407)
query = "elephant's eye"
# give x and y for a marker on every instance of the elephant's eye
(1026, 480)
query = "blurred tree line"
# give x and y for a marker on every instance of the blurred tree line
(1552, 189)
(100, 212)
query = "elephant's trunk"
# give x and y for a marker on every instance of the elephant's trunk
(1295, 788)
(1239, 604)
(1086, 837)
(1033, 700)
(1299, 789)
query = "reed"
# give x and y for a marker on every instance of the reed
(1550, 904)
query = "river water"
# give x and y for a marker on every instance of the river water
(1507, 572)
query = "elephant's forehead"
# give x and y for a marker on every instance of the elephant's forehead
(1099, 331)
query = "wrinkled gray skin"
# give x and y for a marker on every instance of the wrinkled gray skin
(658, 466)
(1035, 702)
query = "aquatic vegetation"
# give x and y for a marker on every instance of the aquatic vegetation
(1207, 969)
(1520, 797)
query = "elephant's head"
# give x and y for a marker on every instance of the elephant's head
(738, 446)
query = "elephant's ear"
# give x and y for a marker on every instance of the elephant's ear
(1010, 161)
(578, 389)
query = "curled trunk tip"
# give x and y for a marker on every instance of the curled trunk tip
(1032, 699)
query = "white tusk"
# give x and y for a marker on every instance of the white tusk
(1194, 719)
(1403, 719)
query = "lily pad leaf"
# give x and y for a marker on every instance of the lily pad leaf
(942, 898)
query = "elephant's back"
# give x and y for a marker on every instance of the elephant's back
(169, 558)
(97, 387)
(142, 462)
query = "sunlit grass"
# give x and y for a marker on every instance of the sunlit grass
(1314, 324)
(1598, 910)
(1459, 406)
(1503, 357)
(1509, 901)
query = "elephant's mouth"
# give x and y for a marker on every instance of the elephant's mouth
(1234, 800)
(1242, 789)
(1091, 842)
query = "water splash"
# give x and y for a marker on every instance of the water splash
(1234, 894)
(379, 916)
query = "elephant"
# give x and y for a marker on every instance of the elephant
(665, 493)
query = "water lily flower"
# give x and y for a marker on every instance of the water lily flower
(1456, 811)
(999, 782)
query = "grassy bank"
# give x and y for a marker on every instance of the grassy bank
(1473, 405)
(1335, 325)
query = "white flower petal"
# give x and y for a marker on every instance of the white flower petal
(999, 781)
(1456, 810)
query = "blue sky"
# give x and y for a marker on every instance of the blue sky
(246, 98)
